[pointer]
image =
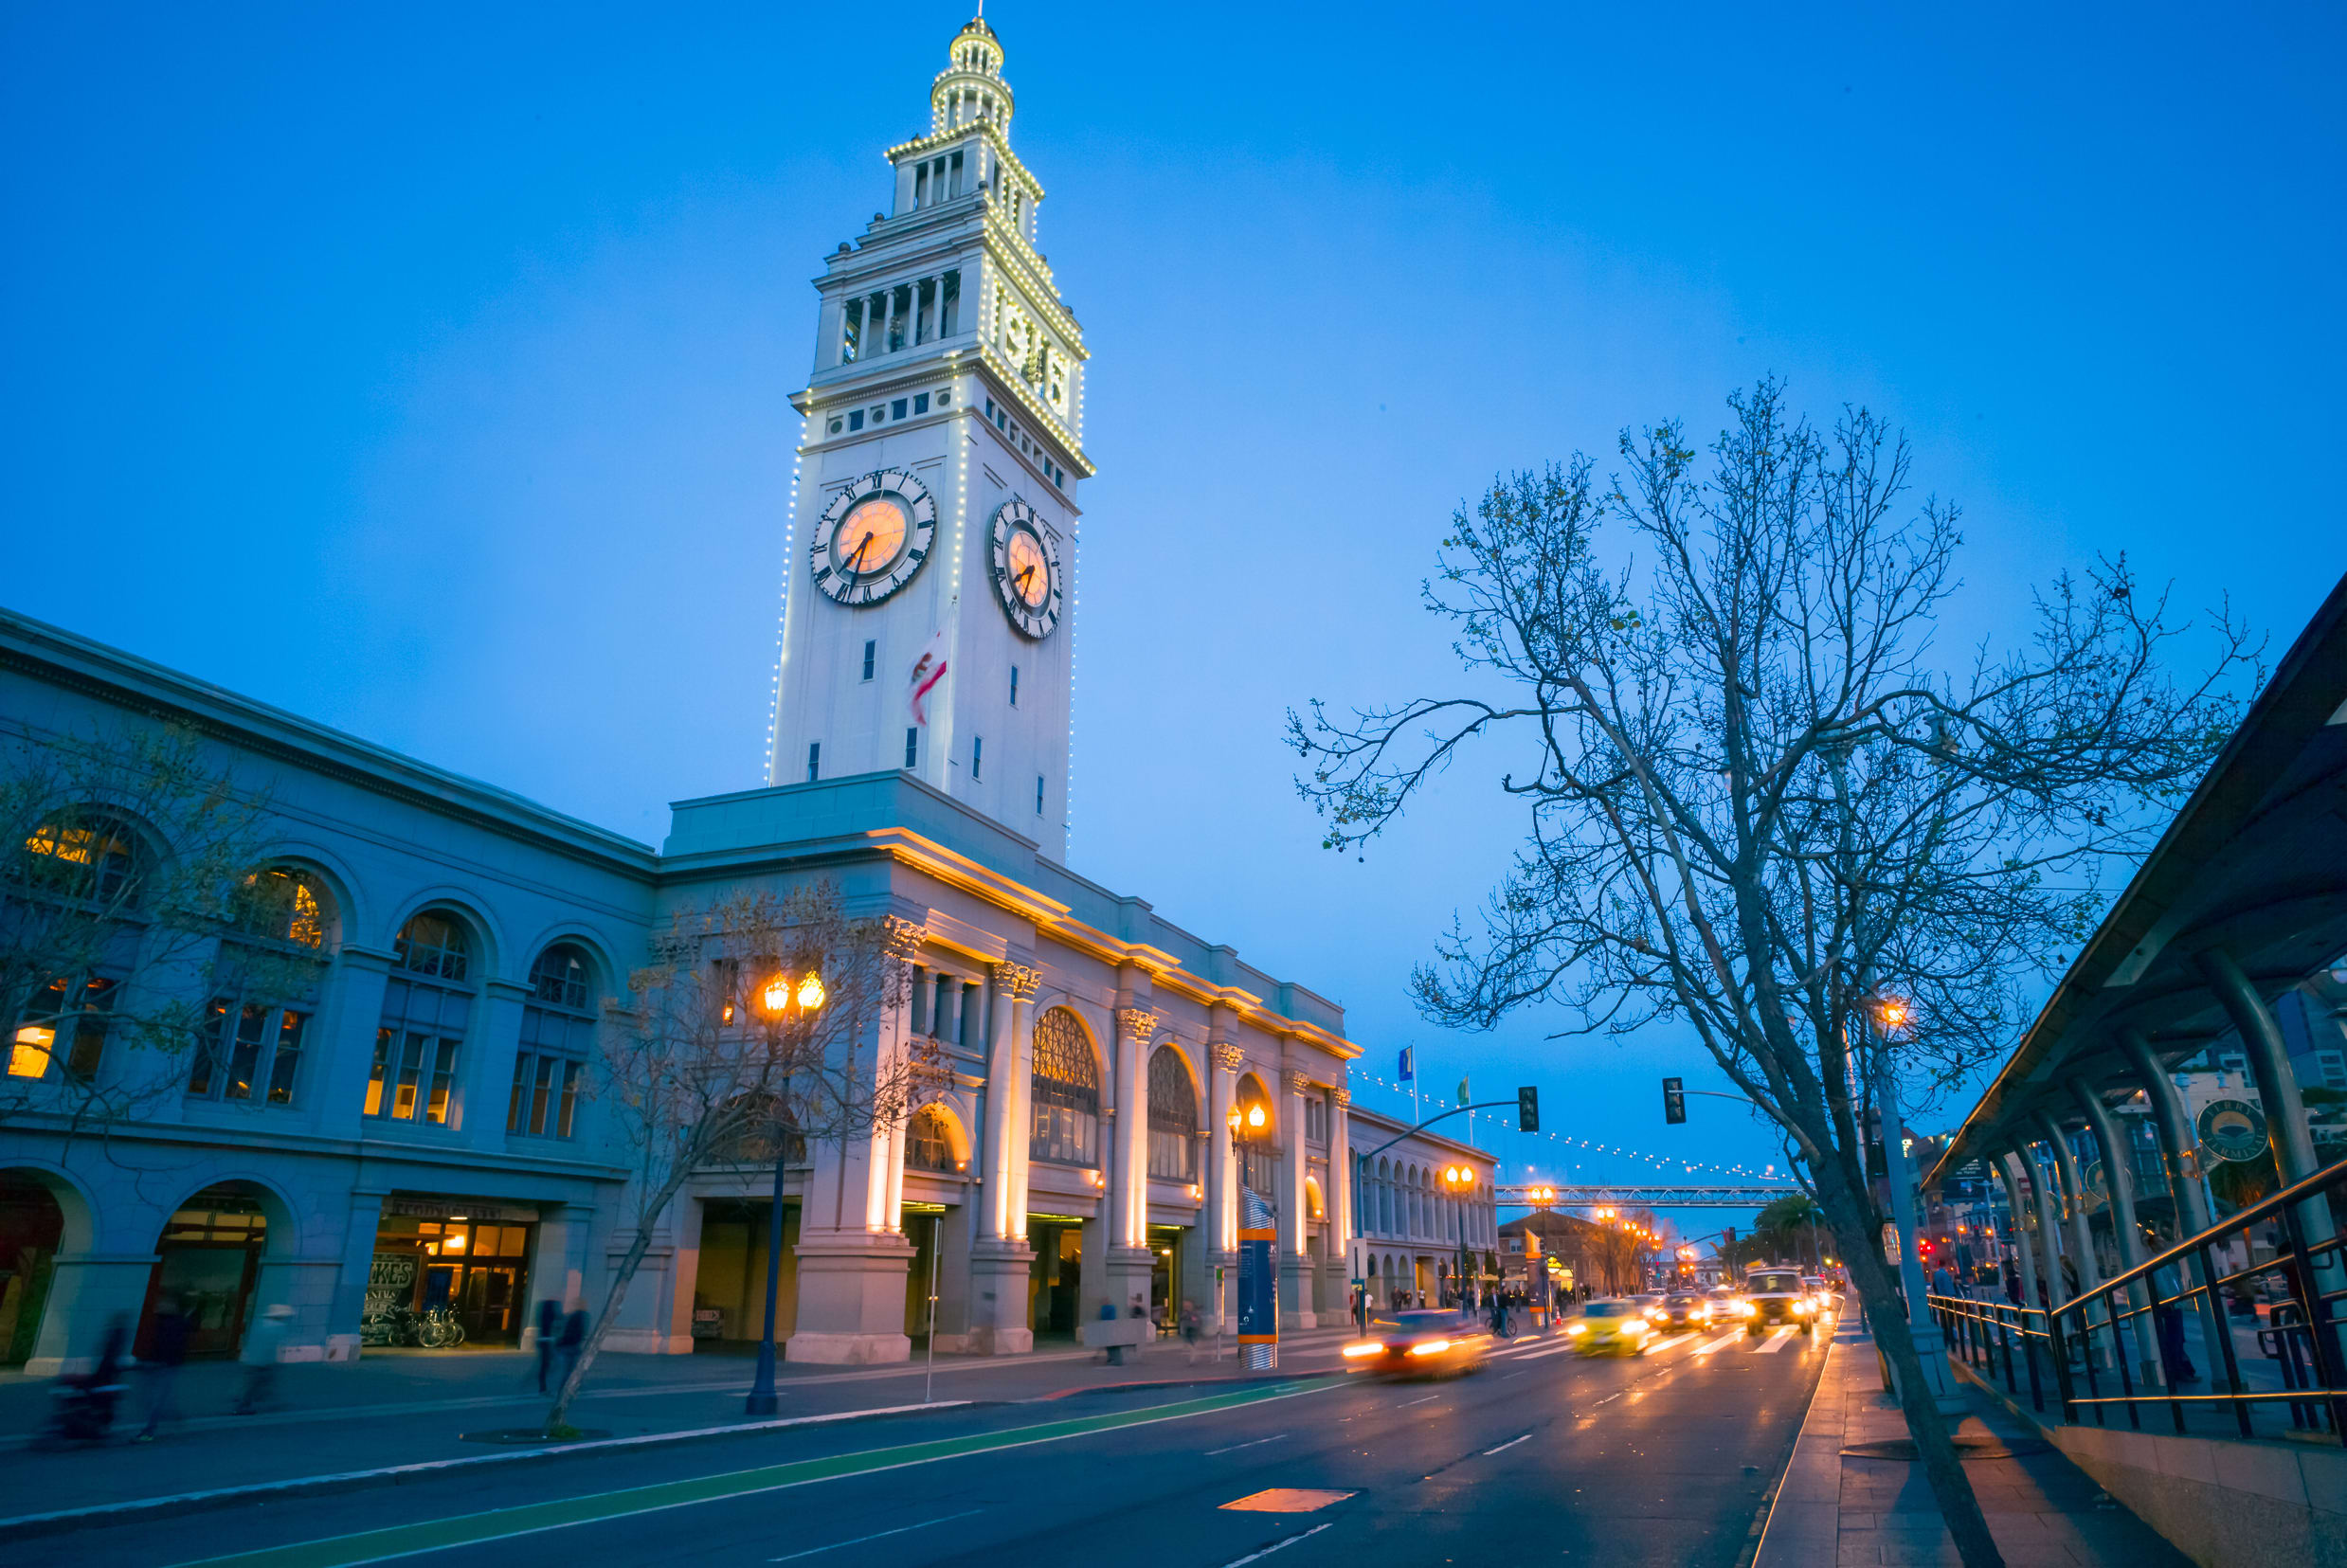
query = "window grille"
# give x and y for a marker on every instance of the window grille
(1067, 1093)
(1173, 1117)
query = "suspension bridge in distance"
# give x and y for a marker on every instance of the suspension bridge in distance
(1511, 1195)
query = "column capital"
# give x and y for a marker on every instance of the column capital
(1138, 1022)
(1228, 1057)
(1297, 1080)
(904, 936)
(1342, 1095)
(1021, 980)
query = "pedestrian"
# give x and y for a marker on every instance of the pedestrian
(2013, 1285)
(573, 1343)
(263, 1342)
(169, 1341)
(549, 1329)
(1190, 1327)
(1942, 1283)
(1111, 1349)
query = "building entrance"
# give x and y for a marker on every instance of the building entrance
(31, 1228)
(1054, 1280)
(1165, 1244)
(208, 1259)
(442, 1262)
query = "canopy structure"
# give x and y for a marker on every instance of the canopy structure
(2243, 897)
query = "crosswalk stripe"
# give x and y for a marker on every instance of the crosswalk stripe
(1775, 1340)
(1722, 1342)
(1675, 1339)
(1550, 1350)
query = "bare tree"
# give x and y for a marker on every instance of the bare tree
(1759, 804)
(753, 1032)
(124, 862)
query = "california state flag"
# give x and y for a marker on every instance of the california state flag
(928, 671)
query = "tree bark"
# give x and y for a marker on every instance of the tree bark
(618, 1294)
(1852, 1226)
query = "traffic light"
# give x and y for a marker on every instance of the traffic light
(1528, 1111)
(1675, 1101)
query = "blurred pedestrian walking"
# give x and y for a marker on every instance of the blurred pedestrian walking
(1190, 1327)
(263, 1342)
(549, 1329)
(573, 1343)
(169, 1340)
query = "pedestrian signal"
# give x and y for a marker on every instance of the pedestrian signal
(1675, 1101)
(1528, 1111)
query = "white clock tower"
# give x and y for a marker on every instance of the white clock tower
(935, 520)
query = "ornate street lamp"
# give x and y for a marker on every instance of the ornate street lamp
(777, 997)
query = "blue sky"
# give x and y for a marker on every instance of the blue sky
(425, 371)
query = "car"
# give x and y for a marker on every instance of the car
(1686, 1309)
(1724, 1302)
(1422, 1343)
(1649, 1304)
(1820, 1291)
(1775, 1296)
(1612, 1327)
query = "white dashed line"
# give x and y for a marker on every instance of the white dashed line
(1240, 1563)
(1509, 1444)
(1236, 1446)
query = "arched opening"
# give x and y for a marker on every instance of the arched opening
(1253, 1133)
(933, 1143)
(1066, 1130)
(426, 1007)
(1315, 1206)
(1173, 1117)
(208, 1262)
(557, 1032)
(32, 1233)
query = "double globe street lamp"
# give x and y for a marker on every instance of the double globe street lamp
(779, 997)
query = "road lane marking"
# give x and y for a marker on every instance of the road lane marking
(1676, 1339)
(418, 1537)
(1509, 1444)
(1722, 1342)
(1236, 1446)
(1240, 1563)
(1552, 1351)
(818, 1551)
(1407, 1403)
(1775, 1340)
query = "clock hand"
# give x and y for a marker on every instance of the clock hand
(855, 561)
(1020, 583)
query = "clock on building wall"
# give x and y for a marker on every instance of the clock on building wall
(872, 537)
(1026, 570)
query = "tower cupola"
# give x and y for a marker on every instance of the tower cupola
(971, 90)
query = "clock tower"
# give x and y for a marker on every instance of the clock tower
(929, 610)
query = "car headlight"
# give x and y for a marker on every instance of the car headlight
(1801, 1306)
(1367, 1347)
(1430, 1347)
(1634, 1327)
(1571, 1328)
(1743, 1309)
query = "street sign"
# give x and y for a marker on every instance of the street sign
(2232, 1129)
(1675, 1101)
(1528, 1111)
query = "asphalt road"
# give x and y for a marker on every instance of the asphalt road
(1543, 1457)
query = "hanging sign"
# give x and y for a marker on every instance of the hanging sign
(2232, 1129)
(1891, 1244)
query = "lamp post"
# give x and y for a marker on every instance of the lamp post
(778, 998)
(1889, 1014)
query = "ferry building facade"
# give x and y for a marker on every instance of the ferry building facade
(414, 1126)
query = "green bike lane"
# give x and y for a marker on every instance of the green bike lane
(1648, 1461)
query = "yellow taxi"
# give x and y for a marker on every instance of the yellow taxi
(1615, 1328)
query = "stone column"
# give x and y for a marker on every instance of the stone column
(358, 1264)
(1128, 1210)
(1219, 1225)
(1338, 1234)
(852, 1259)
(1295, 1263)
(2118, 1171)
(1000, 1257)
(917, 994)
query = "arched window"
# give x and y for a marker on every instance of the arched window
(928, 1143)
(425, 1006)
(557, 1031)
(1067, 1093)
(1173, 1117)
(87, 856)
(266, 984)
(1381, 1199)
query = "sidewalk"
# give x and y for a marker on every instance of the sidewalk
(403, 1409)
(1835, 1507)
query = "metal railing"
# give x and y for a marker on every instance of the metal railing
(2086, 1339)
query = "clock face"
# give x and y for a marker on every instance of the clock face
(1026, 570)
(872, 537)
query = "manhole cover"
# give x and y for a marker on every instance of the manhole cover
(532, 1437)
(1966, 1448)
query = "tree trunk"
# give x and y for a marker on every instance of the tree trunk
(1885, 1308)
(618, 1294)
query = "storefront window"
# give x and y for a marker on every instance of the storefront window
(448, 1273)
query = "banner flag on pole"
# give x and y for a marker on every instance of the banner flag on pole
(1409, 1063)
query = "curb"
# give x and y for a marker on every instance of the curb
(136, 1509)
(1759, 1536)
